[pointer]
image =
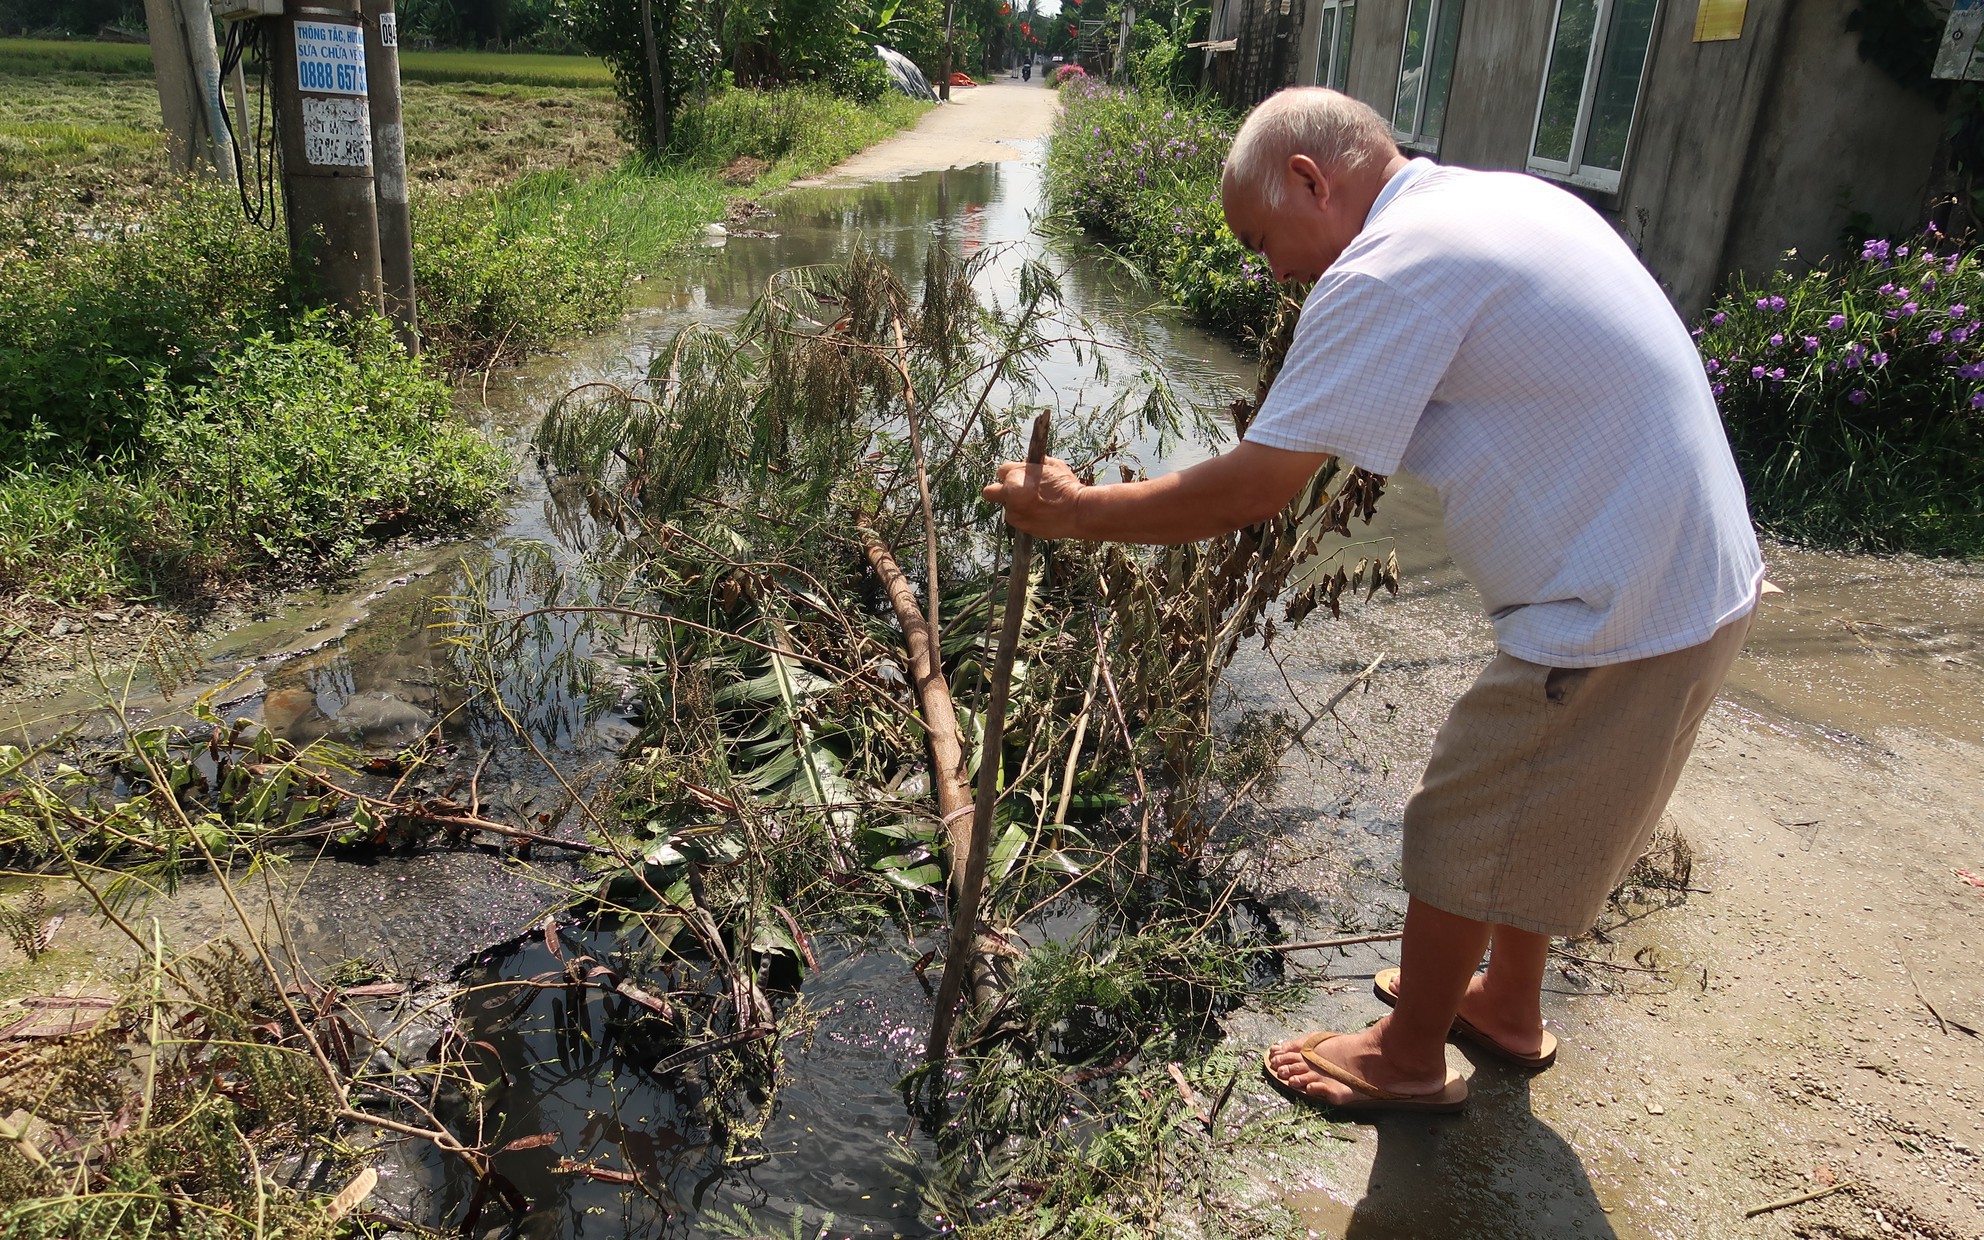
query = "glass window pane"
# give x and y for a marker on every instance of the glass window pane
(1618, 83)
(1445, 40)
(1340, 60)
(1563, 85)
(1412, 62)
(1325, 44)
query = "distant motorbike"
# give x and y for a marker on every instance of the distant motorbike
(1026, 73)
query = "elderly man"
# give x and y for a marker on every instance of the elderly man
(1492, 336)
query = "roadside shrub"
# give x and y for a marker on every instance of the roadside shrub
(503, 273)
(1854, 397)
(1065, 74)
(87, 319)
(1143, 170)
(296, 453)
(806, 125)
(311, 446)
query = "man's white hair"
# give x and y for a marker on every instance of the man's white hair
(1338, 132)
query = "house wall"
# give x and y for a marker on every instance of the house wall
(1741, 148)
(1305, 39)
(1697, 116)
(1836, 136)
(1498, 71)
(1374, 52)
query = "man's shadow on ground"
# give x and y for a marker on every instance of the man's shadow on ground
(1495, 1172)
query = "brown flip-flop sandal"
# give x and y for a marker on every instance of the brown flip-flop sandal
(1446, 1100)
(1385, 986)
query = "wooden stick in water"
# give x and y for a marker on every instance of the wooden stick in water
(964, 915)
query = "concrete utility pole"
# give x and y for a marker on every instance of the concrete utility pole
(325, 126)
(186, 64)
(950, 13)
(382, 61)
(657, 77)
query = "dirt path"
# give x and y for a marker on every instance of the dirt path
(982, 124)
(1804, 1015)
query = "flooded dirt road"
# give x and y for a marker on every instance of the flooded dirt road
(1801, 1017)
(1798, 1019)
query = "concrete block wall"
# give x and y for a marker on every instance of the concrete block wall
(1741, 149)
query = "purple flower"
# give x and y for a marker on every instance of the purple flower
(1958, 310)
(1858, 396)
(1974, 370)
(1776, 339)
(1902, 252)
(1714, 365)
(1960, 335)
(1763, 303)
(1878, 359)
(1811, 345)
(1935, 337)
(1777, 374)
(1977, 400)
(1717, 389)
(1887, 290)
(1837, 322)
(1717, 319)
(1777, 303)
(1756, 372)
(1908, 308)
(1874, 251)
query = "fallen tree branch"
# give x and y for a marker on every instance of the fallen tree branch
(1348, 940)
(1798, 1200)
(933, 699)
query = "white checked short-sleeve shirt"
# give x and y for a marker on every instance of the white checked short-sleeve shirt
(1491, 335)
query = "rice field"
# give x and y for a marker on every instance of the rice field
(47, 56)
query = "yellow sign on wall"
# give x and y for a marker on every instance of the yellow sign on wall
(1720, 19)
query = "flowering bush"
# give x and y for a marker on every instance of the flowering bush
(1143, 170)
(1067, 73)
(1854, 397)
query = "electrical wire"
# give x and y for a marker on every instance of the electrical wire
(260, 208)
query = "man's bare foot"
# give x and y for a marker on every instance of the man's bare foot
(1359, 1053)
(1508, 1025)
(1517, 1028)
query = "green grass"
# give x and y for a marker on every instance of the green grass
(519, 68)
(58, 56)
(1141, 169)
(296, 453)
(40, 56)
(141, 459)
(128, 298)
(797, 132)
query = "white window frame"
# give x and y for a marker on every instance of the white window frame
(1327, 67)
(1573, 170)
(1417, 139)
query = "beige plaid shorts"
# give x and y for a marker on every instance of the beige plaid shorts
(1546, 783)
